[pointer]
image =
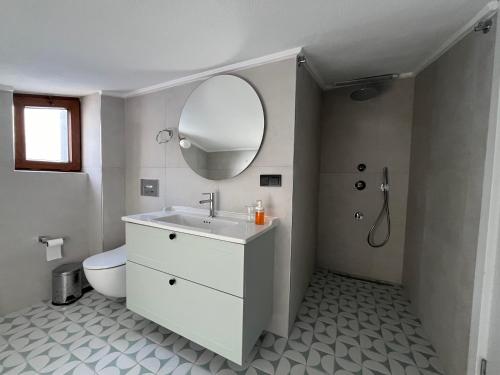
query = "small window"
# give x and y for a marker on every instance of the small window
(47, 133)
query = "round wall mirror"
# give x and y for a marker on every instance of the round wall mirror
(221, 127)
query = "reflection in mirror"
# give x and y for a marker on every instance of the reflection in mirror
(221, 127)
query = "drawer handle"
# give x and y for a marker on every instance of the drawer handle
(171, 281)
(172, 236)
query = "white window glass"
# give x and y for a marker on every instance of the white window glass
(46, 134)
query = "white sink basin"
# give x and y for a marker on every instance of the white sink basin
(204, 223)
(225, 226)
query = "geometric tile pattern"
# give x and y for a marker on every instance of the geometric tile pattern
(344, 327)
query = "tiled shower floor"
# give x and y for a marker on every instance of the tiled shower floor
(344, 327)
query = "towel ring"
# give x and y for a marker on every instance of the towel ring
(159, 136)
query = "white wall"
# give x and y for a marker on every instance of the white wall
(376, 132)
(33, 204)
(485, 320)
(179, 185)
(113, 171)
(92, 167)
(492, 353)
(103, 153)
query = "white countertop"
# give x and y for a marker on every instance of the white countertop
(239, 231)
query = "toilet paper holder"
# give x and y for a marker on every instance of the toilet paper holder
(45, 239)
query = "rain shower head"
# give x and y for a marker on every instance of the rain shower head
(367, 87)
(365, 93)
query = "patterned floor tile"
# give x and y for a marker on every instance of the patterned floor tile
(344, 327)
(273, 343)
(158, 359)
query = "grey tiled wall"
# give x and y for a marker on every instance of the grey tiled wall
(452, 98)
(376, 132)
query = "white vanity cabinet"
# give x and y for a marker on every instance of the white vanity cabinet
(216, 293)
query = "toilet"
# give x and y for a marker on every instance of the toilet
(106, 272)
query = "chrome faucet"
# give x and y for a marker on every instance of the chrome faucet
(211, 200)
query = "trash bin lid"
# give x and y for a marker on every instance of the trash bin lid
(66, 269)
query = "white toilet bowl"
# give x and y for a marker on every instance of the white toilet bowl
(106, 272)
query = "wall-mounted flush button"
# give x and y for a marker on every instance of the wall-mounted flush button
(149, 188)
(360, 185)
(361, 167)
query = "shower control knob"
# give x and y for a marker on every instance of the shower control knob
(360, 185)
(361, 167)
(172, 236)
(359, 215)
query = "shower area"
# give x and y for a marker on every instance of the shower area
(365, 159)
(403, 186)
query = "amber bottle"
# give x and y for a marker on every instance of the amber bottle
(259, 214)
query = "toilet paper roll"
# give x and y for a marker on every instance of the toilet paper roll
(53, 249)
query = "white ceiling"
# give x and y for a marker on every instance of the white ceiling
(82, 46)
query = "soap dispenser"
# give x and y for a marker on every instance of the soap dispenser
(259, 213)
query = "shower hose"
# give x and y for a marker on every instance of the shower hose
(384, 212)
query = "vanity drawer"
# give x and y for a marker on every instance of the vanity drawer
(208, 317)
(214, 263)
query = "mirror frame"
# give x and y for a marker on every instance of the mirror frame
(262, 108)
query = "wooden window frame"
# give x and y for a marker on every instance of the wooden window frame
(72, 105)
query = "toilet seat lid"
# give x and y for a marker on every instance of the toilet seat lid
(108, 259)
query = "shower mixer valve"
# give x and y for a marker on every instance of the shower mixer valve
(360, 185)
